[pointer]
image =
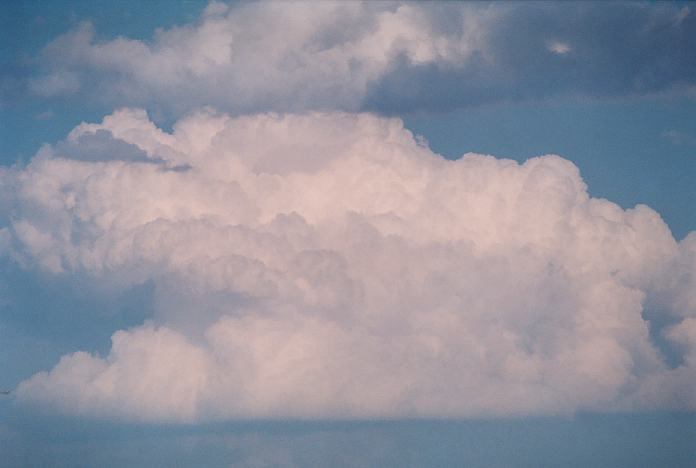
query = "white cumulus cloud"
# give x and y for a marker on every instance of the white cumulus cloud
(249, 57)
(331, 265)
(276, 55)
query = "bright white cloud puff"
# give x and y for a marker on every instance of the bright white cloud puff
(330, 265)
(291, 56)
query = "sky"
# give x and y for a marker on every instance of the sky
(347, 234)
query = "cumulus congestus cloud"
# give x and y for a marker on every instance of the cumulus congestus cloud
(331, 265)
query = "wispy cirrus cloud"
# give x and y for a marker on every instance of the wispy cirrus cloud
(680, 138)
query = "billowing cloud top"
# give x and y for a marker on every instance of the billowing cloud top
(290, 56)
(331, 265)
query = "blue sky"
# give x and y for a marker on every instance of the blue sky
(610, 88)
